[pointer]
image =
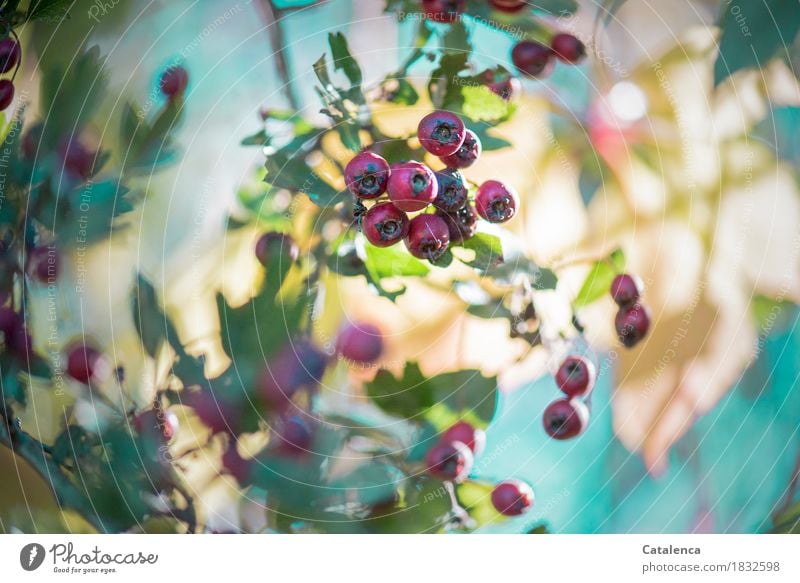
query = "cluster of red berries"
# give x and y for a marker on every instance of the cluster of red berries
(568, 417)
(451, 460)
(9, 59)
(633, 318)
(535, 59)
(412, 187)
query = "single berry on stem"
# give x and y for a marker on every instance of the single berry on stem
(531, 58)
(6, 93)
(174, 81)
(565, 418)
(496, 202)
(270, 245)
(461, 224)
(412, 186)
(367, 175)
(85, 363)
(626, 289)
(632, 323)
(473, 437)
(568, 48)
(441, 133)
(360, 342)
(443, 10)
(452, 190)
(576, 376)
(449, 460)
(512, 497)
(384, 224)
(467, 153)
(428, 237)
(9, 54)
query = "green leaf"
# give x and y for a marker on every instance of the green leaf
(482, 104)
(48, 9)
(781, 130)
(556, 7)
(394, 261)
(598, 281)
(610, 7)
(476, 498)
(488, 250)
(488, 141)
(257, 139)
(343, 60)
(289, 170)
(753, 32)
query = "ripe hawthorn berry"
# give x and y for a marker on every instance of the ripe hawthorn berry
(449, 460)
(9, 320)
(565, 418)
(270, 245)
(360, 342)
(512, 497)
(78, 159)
(473, 437)
(220, 413)
(384, 224)
(298, 365)
(294, 435)
(531, 58)
(576, 375)
(9, 54)
(441, 133)
(367, 175)
(156, 425)
(568, 48)
(428, 237)
(412, 186)
(626, 289)
(443, 10)
(42, 264)
(461, 224)
(467, 153)
(85, 363)
(452, 190)
(508, 5)
(174, 81)
(6, 93)
(496, 202)
(632, 323)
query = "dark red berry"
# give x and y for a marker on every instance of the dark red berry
(472, 437)
(441, 133)
(42, 264)
(174, 81)
(512, 497)
(384, 224)
(443, 10)
(272, 245)
(8, 321)
(568, 48)
(6, 93)
(20, 342)
(632, 323)
(9, 54)
(531, 58)
(626, 289)
(235, 465)
(299, 365)
(508, 5)
(360, 342)
(294, 435)
(78, 160)
(367, 175)
(496, 202)
(30, 141)
(412, 186)
(84, 363)
(156, 425)
(565, 418)
(466, 155)
(428, 237)
(449, 460)
(576, 376)
(452, 190)
(220, 413)
(461, 224)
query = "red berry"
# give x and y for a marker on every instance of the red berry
(30, 141)
(78, 160)
(443, 10)
(428, 237)
(452, 190)
(6, 93)
(461, 224)
(565, 418)
(466, 155)
(174, 81)
(9, 54)
(512, 497)
(294, 436)
(412, 186)
(576, 376)
(496, 202)
(632, 323)
(626, 289)
(235, 464)
(299, 365)
(360, 342)
(156, 424)
(568, 48)
(42, 264)
(531, 58)
(441, 133)
(218, 413)
(20, 342)
(270, 245)
(384, 224)
(449, 460)
(84, 363)
(367, 175)
(508, 5)
(472, 437)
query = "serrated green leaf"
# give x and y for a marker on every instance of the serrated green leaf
(479, 103)
(488, 250)
(343, 60)
(393, 261)
(598, 281)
